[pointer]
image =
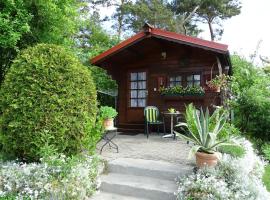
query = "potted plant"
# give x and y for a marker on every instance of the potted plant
(181, 91)
(107, 114)
(194, 90)
(171, 110)
(218, 82)
(203, 130)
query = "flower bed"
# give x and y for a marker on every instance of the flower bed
(234, 178)
(57, 177)
(182, 91)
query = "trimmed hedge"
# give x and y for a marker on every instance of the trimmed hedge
(48, 104)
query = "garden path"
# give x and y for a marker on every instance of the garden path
(144, 169)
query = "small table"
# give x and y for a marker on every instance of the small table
(108, 140)
(172, 115)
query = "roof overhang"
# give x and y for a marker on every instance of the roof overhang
(162, 34)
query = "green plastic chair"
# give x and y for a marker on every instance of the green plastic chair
(151, 116)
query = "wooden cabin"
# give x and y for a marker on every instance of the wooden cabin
(154, 59)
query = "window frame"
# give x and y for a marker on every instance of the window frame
(193, 81)
(137, 98)
(174, 82)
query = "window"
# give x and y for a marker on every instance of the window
(138, 89)
(194, 79)
(175, 80)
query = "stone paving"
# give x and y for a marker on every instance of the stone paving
(153, 148)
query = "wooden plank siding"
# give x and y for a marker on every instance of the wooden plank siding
(180, 60)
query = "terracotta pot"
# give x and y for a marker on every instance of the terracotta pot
(213, 89)
(108, 123)
(206, 159)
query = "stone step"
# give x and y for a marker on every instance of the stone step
(113, 196)
(138, 186)
(148, 168)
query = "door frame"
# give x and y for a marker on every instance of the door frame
(128, 91)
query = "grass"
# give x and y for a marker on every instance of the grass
(266, 177)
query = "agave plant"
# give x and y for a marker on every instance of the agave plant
(203, 129)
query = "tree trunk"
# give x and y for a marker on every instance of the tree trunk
(211, 31)
(120, 20)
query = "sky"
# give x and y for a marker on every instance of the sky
(243, 32)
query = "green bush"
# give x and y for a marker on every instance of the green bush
(266, 177)
(266, 150)
(235, 151)
(251, 102)
(48, 104)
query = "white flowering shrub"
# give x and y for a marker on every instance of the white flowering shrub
(57, 177)
(232, 179)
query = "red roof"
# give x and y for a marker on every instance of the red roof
(154, 32)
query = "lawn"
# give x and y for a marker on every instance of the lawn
(266, 177)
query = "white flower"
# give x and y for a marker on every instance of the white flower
(232, 179)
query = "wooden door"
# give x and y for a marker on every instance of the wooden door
(136, 96)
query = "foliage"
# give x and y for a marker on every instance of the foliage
(211, 12)
(185, 12)
(266, 177)
(27, 22)
(104, 83)
(203, 129)
(102, 80)
(266, 151)
(14, 20)
(220, 81)
(234, 151)
(92, 40)
(214, 11)
(56, 177)
(48, 104)
(267, 69)
(251, 103)
(120, 17)
(232, 178)
(179, 90)
(195, 89)
(49, 20)
(228, 131)
(155, 12)
(171, 110)
(107, 112)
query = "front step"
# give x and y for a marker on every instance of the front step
(112, 196)
(138, 179)
(138, 186)
(131, 128)
(155, 169)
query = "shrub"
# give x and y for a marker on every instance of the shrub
(106, 112)
(266, 177)
(234, 151)
(233, 178)
(251, 102)
(55, 177)
(48, 104)
(104, 83)
(266, 151)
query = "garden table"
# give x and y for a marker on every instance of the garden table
(108, 139)
(171, 115)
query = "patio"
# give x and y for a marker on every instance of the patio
(154, 148)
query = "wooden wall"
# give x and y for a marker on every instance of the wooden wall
(180, 60)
